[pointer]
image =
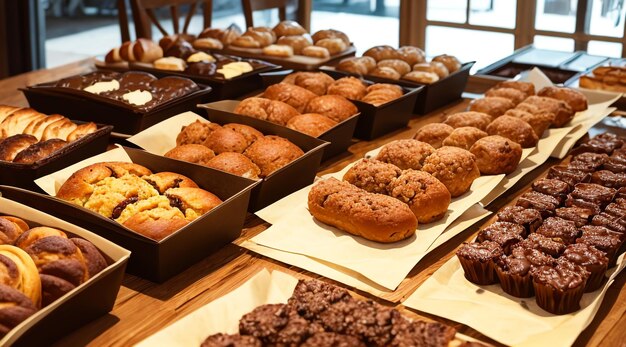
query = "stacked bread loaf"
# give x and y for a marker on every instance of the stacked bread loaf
(561, 236)
(39, 265)
(27, 136)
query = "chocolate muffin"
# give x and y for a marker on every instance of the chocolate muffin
(515, 271)
(545, 204)
(558, 289)
(579, 215)
(553, 187)
(529, 218)
(478, 261)
(551, 247)
(591, 259)
(603, 239)
(405, 154)
(559, 228)
(503, 233)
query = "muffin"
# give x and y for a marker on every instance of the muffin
(514, 129)
(478, 120)
(504, 234)
(516, 96)
(464, 137)
(496, 155)
(603, 239)
(434, 134)
(455, 167)
(226, 140)
(195, 133)
(193, 153)
(312, 124)
(334, 107)
(478, 261)
(494, 106)
(528, 218)
(558, 289)
(235, 163)
(426, 196)
(248, 132)
(539, 121)
(272, 153)
(559, 228)
(264, 109)
(593, 260)
(515, 271)
(291, 94)
(551, 247)
(405, 154)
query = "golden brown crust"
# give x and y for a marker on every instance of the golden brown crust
(290, 94)
(19, 271)
(193, 200)
(496, 155)
(525, 87)
(421, 77)
(248, 132)
(375, 217)
(382, 52)
(146, 50)
(433, 133)
(440, 69)
(39, 151)
(334, 45)
(195, 133)
(10, 230)
(162, 181)
(334, 107)
(348, 87)
(372, 175)
(455, 167)
(287, 28)
(270, 110)
(451, 62)
(426, 196)
(385, 72)
(563, 114)
(381, 93)
(235, 163)
(357, 65)
(539, 121)
(315, 52)
(576, 100)
(330, 34)
(494, 106)
(514, 129)
(412, 55)
(226, 140)
(397, 64)
(316, 82)
(156, 229)
(312, 124)
(464, 137)
(13, 145)
(478, 120)
(405, 154)
(515, 95)
(272, 153)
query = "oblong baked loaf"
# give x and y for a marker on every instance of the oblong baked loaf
(372, 216)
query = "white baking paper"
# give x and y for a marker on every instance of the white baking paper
(160, 138)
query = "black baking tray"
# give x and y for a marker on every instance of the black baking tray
(81, 105)
(90, 301)
(23, 175)
(339, 137)
(431, 96)
(288, 179)
(374, 121)
(159, 260)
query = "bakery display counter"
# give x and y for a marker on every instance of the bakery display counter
(144, 308)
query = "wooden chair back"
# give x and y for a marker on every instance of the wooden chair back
(250, 6)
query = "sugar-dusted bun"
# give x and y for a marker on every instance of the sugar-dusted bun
(312, 124)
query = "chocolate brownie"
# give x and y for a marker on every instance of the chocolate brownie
(579, 215)
(609, 179)
(552, 187)
(567, 175)
(614, 223)
(529, 218)
(559, 228)
(615, 166)
(591, 193)
(545, 204)
(552, 247)
(504, 234)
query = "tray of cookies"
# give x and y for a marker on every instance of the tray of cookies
(384, 107)
(281, 159)
(169, 213)
(34, 144)
(548, 259)
(56, 275)
(130, 101)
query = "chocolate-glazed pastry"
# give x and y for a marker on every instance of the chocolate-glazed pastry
(609, 179)
(136, 80)
(621, 193)
(180, 49)
(558, 289)
(552, 187)
(545, 204)
(478, 261)
(591, 158)
(559, 228)
(603, 239)
(551, 247)
(614, 223)
(590, 195)
(82, 81)
(503, 233)
(529, 218)
(603, 143)
(515, 271)
(569, 176)
(583, 166)
(617, 208)
(202, 68)
(591, 259)
(615, 166)
(234, 340)
(579, 215)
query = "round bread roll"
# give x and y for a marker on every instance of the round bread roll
(207, 43)
(226, 140)
(563, 114)
(514, 129)
(539, 121)
(426, 196)
(272, 153)
(440, 69)
(455, 167)
(312, 124)
(381, 93)
(334, 107)
(405, 154)
(576, 100)
(193, 153)
(288, 28)
(334, 46)
(348, 87)
(270, 110)
(315, 52)
(248, 132)
(195, 132)
(359, 66)
(469, 119)
(317, 82)
(515, 95)
(450, 61)
(412, 55)
(464, 137)
(385, 72)
(331, 34)
(434, 133)
(382, 52)
(399, 65)
(278, 51)
(235, 163)
(296, 42)
(372, 175)
(421, 77)
(494, 106)
(247, 41)
(426, 67)
(525, 87)
(290, 94)
(496, 155)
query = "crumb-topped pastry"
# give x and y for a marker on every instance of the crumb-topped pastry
(426, 196)
(312, 124)
(464, 137)
(405, 154)
(515, 95)
(515, 271)
(478, 120)
(434, 134)
(455, 167)
(372, 175)
(478, 261)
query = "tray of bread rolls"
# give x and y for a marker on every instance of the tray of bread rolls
(130, 101)
(281, 159)
(34, 144)
(168, 213)
(443, 78)
(48, 294)
(384, 107)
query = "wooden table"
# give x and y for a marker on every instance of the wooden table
(143, 307)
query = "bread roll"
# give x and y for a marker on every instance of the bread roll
(451, 62)
(575, 99)
(288, 28)
(382, 52)
(334, 107)
(235, 163)
(193, 153)
(146, 50)
(331, 34)
(208, 43)
(455, 167)
(525, 87)
(397, 64)
(464, 137)
(270, 110)
(433, 133)
(317, 82)
(421, 77)
(296, 42)
(290, 94)
(515, 95)
(385, 72)
(375, 217)
(381, 93)
(563, 113)
(226, 140)
(515, 129)
(284, 51)
(334, 46)
(496, 155)
(469, 119)
(272, 153)
(425, 195)
(39, 151)
(348, 87)
(312, 124)
(440, 69)
(494, 106)
(315, 52)
(411, 55)
(539, 121)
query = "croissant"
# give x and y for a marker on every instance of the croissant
(18, 271)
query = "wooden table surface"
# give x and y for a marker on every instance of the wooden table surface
(143, 307)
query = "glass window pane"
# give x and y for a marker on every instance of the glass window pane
(607, 49)
(607, 18)
(554, 43)
(446, 10)
(556, 15)
(497, 13)
(468, 45)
